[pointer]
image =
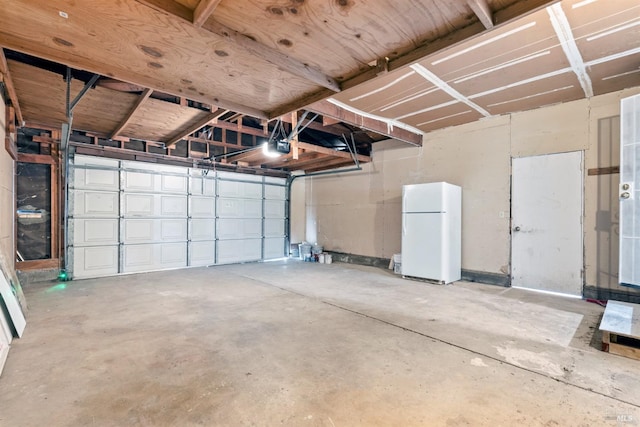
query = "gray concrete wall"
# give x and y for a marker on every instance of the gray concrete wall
(360, 213)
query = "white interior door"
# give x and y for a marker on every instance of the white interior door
(629, 273)
(546, 240)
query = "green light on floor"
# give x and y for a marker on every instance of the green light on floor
(62, 276)
(58, 287)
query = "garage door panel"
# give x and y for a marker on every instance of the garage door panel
(154, 230)
(96, 179)
(139, 204)
(202, 253)
(80, 160)
(173, 206)
(95, 261)
(230, 251)
(274, 209)
(274, 227)
(233, 176)
(246, 190)
(95, 232)
(95, 204)
(239, 228)
(154, 256)
(274, 248)
(173, 184)
(140, 181)
(202, 186)
(239, 208)
(202, 229)
(202, 207)
(274, 192)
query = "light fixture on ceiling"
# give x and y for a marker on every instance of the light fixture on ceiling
(275, 148)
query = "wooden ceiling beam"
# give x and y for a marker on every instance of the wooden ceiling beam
(257, 49)
(141, 99)
(329, 164)
(195, 126)
(13, 96)
(244, 156)
(334, 127)
(483, 12)
(330, 151)
(379, 126)
(283, 161)
(203, 11)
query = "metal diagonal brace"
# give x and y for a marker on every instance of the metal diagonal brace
(84, 90)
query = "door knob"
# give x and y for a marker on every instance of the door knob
(517, 228)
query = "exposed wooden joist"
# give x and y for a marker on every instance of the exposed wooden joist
(334, 127)
(257, 49)
(195, 126)
(143, 97)
(13, 96)
(330, 164)
(244, 156)
(212, 142)
(516, 10)
(283, 161)
(203, 11)
(324, 150)
(331, 110)
(236, 128)
(482, 11)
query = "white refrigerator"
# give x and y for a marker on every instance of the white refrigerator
(432, 231)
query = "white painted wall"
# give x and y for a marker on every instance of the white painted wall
(360, 212)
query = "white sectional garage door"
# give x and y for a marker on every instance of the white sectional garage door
(127, 216)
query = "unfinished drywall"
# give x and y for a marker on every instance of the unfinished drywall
(360, 212)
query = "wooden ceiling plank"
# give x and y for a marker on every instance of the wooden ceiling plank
(13, 96)
(483, 12)
(141, 99)
(273, 56)
(203, 11)
(326, 108)
(257, 49)
(282, 162)
(196, 126)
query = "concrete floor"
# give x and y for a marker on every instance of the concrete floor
(292, 343)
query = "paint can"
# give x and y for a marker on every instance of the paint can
(328, 259)
(321, 258)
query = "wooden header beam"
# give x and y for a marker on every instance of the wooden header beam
(13, 96)
(143, 97)
(326, 108)
(195, 126)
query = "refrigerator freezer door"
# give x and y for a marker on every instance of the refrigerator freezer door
(422, 254)
(423, 197)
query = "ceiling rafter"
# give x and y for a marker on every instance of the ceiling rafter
(203, 11)
(13, 96)
(141, 99)
(363, 121)
(196, 126)
(444, 86)
(257, 49)
(483, 12)
(563, 30)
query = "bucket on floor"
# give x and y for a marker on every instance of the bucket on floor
(328, 259)
(305, 251)
(321, 258)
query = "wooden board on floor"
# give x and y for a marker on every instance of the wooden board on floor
(620, 328)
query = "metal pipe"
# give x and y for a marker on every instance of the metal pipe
(292, 178)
